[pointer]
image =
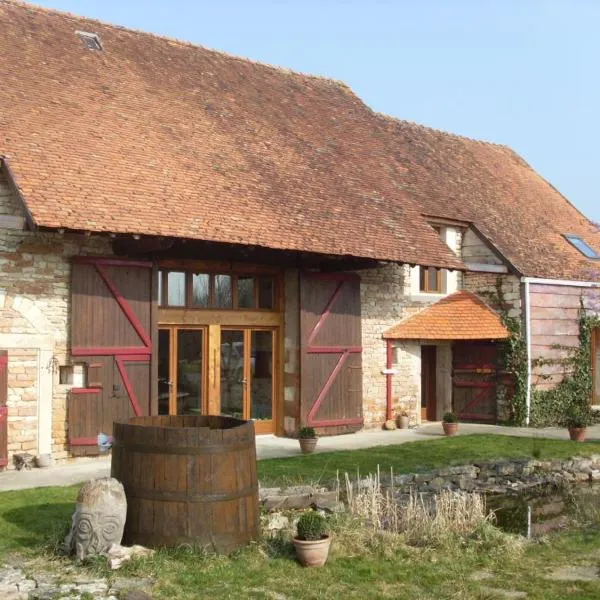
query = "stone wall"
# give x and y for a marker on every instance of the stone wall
(34, 326)
(388, 295)
(484, 285)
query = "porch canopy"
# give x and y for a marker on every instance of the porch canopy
(459, 316)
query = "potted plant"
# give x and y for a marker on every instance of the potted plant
(312, 541)
(576, 420)
(308, 440)
(450, 423)
(403, 420)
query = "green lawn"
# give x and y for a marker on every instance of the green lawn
(415, 457)
(32, 521)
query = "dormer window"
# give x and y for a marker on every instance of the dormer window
(430, 278)
(582, 246)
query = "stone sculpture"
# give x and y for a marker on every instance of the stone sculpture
(99, 518)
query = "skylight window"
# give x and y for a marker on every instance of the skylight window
(586, 250)
(90, 40)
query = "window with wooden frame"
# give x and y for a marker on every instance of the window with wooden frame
(218, 290)
(596, 365)
(430, 278)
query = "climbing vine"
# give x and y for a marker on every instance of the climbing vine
(514, 359)
(548, 407)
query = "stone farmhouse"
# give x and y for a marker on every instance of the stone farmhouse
(187, 232)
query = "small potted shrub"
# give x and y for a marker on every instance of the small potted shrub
(308, 439)
(450, 423)
(576, 420)
(403, 420)
(312, 541)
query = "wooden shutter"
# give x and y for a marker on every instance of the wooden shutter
(331, 352)
(111, 332)
(3, 409)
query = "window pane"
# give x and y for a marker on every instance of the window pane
(176, 288)
(433, 279)
(223, 291)
(160, 288)
(422, 279)
(261, 364)
(189, 371)
(245, 291)
(232, 373)
(164, 373)
(266, 295)
(200, 289)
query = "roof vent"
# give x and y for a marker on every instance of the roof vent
(90, 40)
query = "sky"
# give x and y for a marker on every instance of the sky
(525, 73)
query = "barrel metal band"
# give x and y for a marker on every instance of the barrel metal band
(166, 496)
(181, 450)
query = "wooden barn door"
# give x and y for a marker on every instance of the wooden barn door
(475, 380)
(111, 334)
(331, 352)
(3, 409)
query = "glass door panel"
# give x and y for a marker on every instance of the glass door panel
(233, 380)
(190, 369)
(164, 370)
(261, 375)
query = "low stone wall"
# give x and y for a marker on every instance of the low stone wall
(501, 477)
(489, 477)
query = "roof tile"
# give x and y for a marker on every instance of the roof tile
(459, 316)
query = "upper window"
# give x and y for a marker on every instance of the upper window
(584, 248)
(430, 278)
(191, 289)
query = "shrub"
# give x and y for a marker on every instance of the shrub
(450, 417)
(577, 415)
(307, 433)
(311, 526)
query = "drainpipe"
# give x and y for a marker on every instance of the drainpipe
(528, 346)
(388, 382)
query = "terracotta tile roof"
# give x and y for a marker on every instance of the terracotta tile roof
(156, 136)
(459, 316)
(491, 186)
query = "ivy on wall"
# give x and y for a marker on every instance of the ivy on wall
(549, 407)
(514, 359)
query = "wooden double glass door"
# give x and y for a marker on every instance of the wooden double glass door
(236, 365)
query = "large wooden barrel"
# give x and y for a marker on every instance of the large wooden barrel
(188, 480)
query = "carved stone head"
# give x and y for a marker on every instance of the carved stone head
(99, 518)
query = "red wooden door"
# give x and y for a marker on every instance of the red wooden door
(475, 372)
(111, 333)
(331, 352)
(3, 409)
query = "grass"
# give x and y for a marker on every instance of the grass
(415, 457)
(32, 521)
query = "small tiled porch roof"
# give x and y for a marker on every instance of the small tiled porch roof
(459, 316)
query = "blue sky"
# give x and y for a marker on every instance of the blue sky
(525, 73)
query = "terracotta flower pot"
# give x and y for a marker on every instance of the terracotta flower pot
(450, 428)
(403, 422)
(308, 445)
(577, 434)
(312, 553)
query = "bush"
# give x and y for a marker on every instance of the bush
(450, 417)
(311, 526)
(577, 416)
(307, 433)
